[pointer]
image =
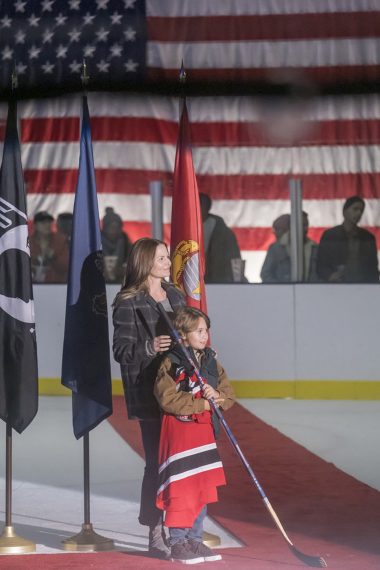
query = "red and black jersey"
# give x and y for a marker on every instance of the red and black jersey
(190, 467)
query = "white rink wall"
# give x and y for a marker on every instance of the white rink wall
(260, 332)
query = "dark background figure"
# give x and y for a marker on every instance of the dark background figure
(281, 225)
(222, 254)
(277, 264)
(48, 251)
(140, 337)
(348, 253)
(64, 226)
(116, 247)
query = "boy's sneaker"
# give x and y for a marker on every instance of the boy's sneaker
(181, 552)
(200, 549)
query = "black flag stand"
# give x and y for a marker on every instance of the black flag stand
(10, 542)
(87, 540)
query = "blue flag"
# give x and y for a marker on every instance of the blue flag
(18, 349)
(86, 368)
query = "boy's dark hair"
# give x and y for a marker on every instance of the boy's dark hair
(186, 319)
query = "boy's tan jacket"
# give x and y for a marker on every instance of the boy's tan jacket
(184, 403)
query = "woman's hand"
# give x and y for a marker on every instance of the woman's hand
(162, 343)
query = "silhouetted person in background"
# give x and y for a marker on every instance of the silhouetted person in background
(347, 253)
(222, 253)
(281, 225)
(116, 247)
(64, 225)
(48, 250)
(277, 264)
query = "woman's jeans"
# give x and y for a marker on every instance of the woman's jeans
(150, 515)
(193, 533)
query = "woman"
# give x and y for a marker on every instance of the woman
(140, 336)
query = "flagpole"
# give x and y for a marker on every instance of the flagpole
(182, 83)
(208, 538)
(87, 540)
(86, 478)
(10, 542)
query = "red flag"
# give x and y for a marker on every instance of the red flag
(186, 245)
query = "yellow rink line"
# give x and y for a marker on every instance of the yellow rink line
(300, 389)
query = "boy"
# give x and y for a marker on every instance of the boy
(190, 467)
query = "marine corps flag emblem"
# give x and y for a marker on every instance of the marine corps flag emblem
(18, 351)
(186, 244)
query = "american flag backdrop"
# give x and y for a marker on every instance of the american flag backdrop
(246, 147)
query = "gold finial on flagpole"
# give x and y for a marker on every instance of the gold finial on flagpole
(14, 79)
(182, 74)
(182, 91)
(85, 78)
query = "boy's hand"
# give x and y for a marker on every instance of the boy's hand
(218, 402)
(209, 392)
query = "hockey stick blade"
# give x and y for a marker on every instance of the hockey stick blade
(313, 561)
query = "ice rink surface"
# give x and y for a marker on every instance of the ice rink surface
(48, 466)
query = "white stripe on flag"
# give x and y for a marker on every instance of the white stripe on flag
(236, 213)
(228, 109)
(193, 8)
(265, 54)
(209, 160)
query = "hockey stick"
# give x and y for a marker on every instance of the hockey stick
(313, 561)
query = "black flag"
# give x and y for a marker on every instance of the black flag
(18, 350)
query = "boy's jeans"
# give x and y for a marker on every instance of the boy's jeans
(193, 533)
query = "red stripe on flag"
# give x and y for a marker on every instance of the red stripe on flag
(237, 134)
(108, 181)
(316, 233)
(274, 186)
(219, 187)
(141, 129)
(267, 27)
(66, 129)
(255, 239)
(249, 239)
(322, 75)
(137, 230)
(216, 133)
(51, 181)
(132, 181)
(50, 129)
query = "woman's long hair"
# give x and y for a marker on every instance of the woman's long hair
(139, 266)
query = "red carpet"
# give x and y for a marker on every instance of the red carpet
(324, 511)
